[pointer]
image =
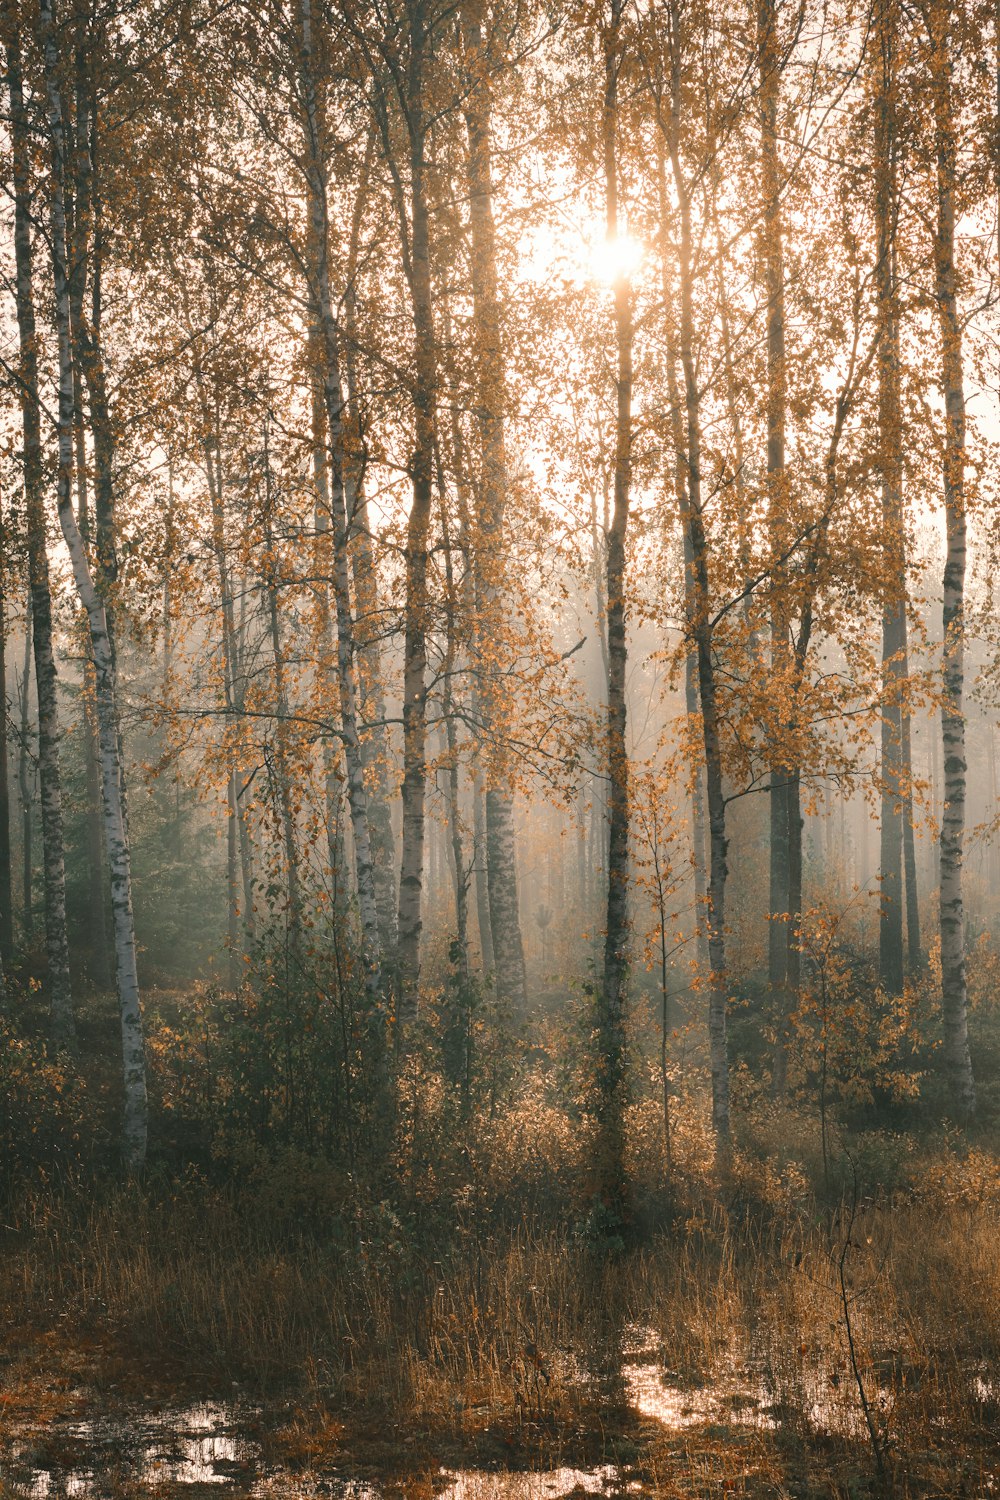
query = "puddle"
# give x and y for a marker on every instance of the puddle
(736, 1395)
(473, 1484)
(211, 1446)
(197, 1445)
(661, 1395)
(207, 1445)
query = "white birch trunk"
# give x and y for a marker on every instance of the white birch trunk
(371, 704)
(954, 994)
(115, 828)
(357, 791)
(894, 638)
(50, 784)
(501, 849)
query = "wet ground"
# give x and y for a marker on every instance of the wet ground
(223, 1448)
(210, 1449)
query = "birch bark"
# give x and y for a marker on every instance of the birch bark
(357, 791)
(914, 951)
(332, 775)
(375, 743)
(679, 466)
(418, 525)
(281, 757)
(237, 835)
(954, 994)
(700, 625)
(784, 815)
(894, 641)
(116, 830)
(501, 852)
(611, 1063)
(82, 230)
(25, 787)
(50, 786)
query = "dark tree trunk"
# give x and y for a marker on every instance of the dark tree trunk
(26, 787)
(679, 468)
(6, 879)
(700, 627)
(784, 817)
(482, 891)
(411, 875)
(611, 1062)
(914, 951)
(282, 771)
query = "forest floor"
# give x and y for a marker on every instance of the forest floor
(821, 1321)
(144, 1355)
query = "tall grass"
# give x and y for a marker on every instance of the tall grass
(462, 1320)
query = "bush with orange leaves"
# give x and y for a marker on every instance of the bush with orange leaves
(46, 1130)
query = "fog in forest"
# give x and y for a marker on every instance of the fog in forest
(499, 848)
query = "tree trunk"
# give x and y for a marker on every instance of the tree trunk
(793, 972)
(611, 1059)
(88, 355)
(53, 860)
(582, 882)
(482, 892)
(116, 830)
(894, 643)
(281, 757)
(914, 951)
(417, 532)
(83, 227)
(233, 882)
(679, 469)
(457, 1052)
(784, 818)
(954, 995)
(243, 779)
(371, 706)
(233, 685)
(491, 589)
(357, 791)
(6, 880)
(282, 767)
(328, 677)
(25, 787)
(700, 626)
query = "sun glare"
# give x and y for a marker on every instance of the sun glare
(611, 259)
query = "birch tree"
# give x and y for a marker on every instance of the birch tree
(54, 868)
(115, 824)
(614, 992)
(938, 23)
(491, 594)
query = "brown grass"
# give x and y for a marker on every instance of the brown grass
(511, 1343)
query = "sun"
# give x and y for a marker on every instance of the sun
(579, 254)
(615, 259)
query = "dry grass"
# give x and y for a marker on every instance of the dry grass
(519, 1338)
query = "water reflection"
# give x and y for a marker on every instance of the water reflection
(212, 1444)
(205, 1444)
(473, 1484)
